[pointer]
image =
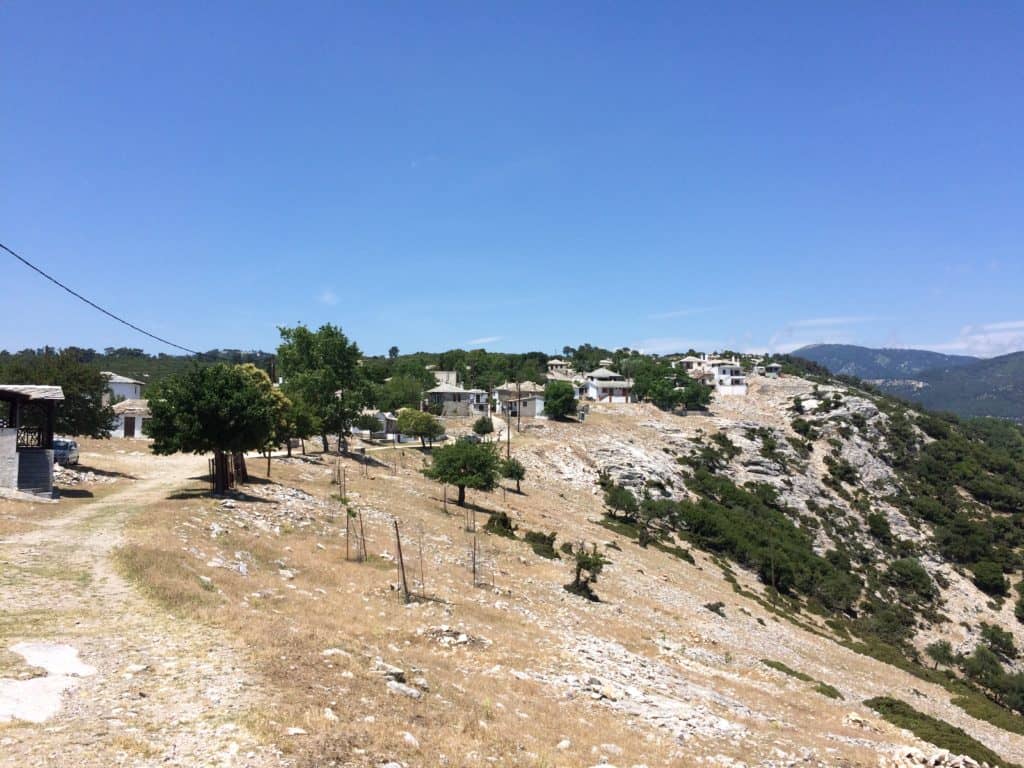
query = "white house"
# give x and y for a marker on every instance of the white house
(728, 377)
(387, 421)
(130, 416)
(607, 386)
(529, 406)
(688, 364)
(513, 389)
(122, 386)
(456, 401)
(773, 370)
(559, 366)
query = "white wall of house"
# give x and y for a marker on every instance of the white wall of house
(729, 380)
(132, 391)
(608, 395)
(118, 430)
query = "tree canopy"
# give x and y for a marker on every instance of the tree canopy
(419, 424)
(513, 469)
(220, 409)
(465, 465)
(559, 399)
(323, 368)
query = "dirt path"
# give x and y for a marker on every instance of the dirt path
(166, 691)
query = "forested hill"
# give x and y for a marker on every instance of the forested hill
(872, 364)
(127, 361)
(966, 386)
(993, 387)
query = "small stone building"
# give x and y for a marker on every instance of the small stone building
(27, 415)
(131, 414)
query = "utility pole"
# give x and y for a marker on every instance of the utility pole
(519, 407)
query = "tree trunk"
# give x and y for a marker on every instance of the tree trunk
(323, 436)
(517, 487)
(220, 472)
(268, 463)
(462, 496)
(289, 447)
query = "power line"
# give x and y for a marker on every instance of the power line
(94, 305)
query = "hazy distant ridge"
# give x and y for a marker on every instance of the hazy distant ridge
(967, 386)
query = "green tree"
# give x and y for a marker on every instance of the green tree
(299, 422)
(83, 410)
(483, 426)
(399, 392)
(999, 641)
(221, 409)
(618, 498)
(393, 353)
(559, 399)
(367, 422)
(587, 566)
(465, 465)
(322, 367)
(941, 652)
(655, 516)
(983, 667)
(664, 394)
(419, 424)
(911, 580)
(988, 577)
(513, 469)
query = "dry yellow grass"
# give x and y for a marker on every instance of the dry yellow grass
(301, 596)
(466, 712)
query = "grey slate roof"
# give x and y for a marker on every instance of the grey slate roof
(132, 408)
(33, 391)
(116, 378)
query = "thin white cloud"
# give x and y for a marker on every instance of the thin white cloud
(328, 297)
(816, 330)
(485, 340)
(830, 322)
(985, 340)
(688, 312)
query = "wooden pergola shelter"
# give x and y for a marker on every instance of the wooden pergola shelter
(27, 416)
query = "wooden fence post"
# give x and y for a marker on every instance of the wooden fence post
(401, 564)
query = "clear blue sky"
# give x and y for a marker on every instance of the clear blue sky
(518, 176)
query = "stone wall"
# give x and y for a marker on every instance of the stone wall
(8, 458)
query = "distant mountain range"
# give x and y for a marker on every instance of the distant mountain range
(967, 386)
(867, 363)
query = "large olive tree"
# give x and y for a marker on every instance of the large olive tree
(220, 409)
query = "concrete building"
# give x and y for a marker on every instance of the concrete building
(606, 386)
(728, 377)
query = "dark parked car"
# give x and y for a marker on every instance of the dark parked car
(65, 452)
